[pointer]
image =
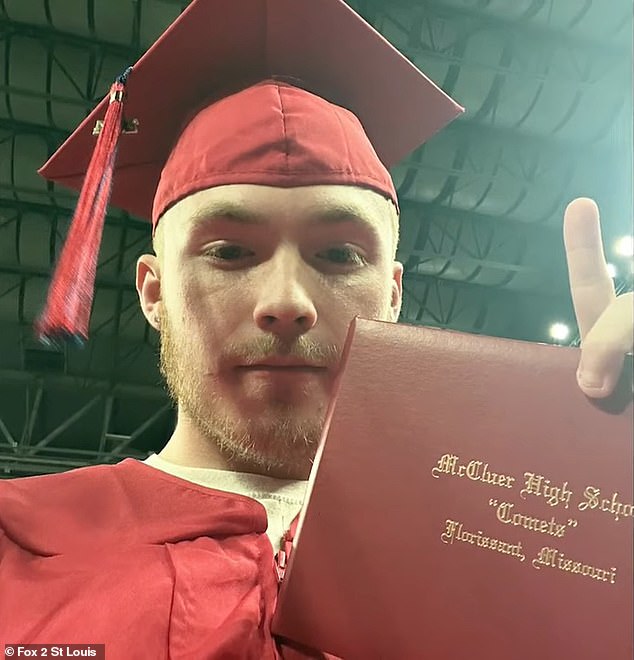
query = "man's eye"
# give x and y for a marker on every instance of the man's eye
(343, 255)
(228, 252)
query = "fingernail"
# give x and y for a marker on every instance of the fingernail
(590, 381)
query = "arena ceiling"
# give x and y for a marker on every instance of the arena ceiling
(547, 85)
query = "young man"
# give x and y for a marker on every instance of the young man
(275, 223)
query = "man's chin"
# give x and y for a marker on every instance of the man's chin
(266, 412)
(276, 439)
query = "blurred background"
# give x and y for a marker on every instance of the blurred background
(547, 85)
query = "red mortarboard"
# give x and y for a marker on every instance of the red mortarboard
(212, 50)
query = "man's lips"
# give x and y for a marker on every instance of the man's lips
(290, 368)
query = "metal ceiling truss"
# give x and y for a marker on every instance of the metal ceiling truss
(39, 446)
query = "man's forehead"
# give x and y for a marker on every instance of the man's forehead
(258, 204)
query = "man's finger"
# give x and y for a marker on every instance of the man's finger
(591, 286)
(605, 346)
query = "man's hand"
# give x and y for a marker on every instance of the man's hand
(606, 321)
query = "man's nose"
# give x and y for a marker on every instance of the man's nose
(284, 305)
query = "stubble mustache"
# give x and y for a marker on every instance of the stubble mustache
(266, 347)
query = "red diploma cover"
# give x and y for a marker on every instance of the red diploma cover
(467, 501)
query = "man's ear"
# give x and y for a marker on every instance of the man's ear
(148, 286)
(397, 290)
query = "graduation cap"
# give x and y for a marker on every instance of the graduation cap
(276, 92)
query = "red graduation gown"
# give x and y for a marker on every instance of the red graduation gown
(149, 564)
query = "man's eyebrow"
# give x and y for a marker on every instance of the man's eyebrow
(342, 213)
(227, 211)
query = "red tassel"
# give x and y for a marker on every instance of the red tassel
(66, 315)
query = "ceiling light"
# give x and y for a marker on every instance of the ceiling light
(624, 246)
(559, 331)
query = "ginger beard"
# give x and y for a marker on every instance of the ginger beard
(281, 437)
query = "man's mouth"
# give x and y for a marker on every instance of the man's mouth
(285, 364)
(284, 372)
(280, 368)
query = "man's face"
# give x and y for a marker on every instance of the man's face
(257, 288)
